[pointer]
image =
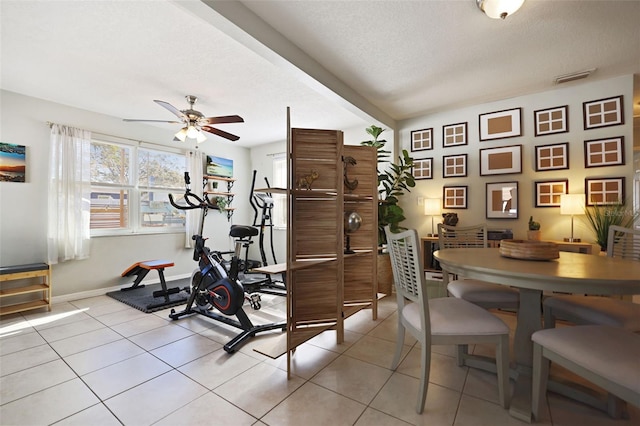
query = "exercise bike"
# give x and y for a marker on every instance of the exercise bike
(212, 286)
(251, 280)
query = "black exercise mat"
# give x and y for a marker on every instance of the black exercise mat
(142, 298)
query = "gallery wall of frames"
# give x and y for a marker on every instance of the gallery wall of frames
(503, 162)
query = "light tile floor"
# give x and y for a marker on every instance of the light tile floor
(97, 362)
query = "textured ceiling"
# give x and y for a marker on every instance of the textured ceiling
(391, 59)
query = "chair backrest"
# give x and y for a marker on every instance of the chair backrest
(474, 236)
(623, 243)
(408, 272)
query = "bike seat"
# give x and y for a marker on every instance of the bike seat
(243, 231)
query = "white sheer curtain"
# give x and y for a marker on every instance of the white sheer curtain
(69, 196)
(195, 166)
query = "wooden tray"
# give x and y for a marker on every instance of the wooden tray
(529, 249)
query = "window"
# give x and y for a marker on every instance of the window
(130, 189)
(279, 213)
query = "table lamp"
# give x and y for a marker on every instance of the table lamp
(432, 208)
(572, 204)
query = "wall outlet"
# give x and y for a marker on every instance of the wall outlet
(420, 201)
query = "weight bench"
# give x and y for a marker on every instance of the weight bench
(141, 269)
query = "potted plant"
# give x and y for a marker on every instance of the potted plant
(602, 216)
(392, 184)
(534, 230)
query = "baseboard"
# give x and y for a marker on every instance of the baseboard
(103, 291)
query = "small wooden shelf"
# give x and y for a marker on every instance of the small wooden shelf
(217, 192)
(222, 179)
(271, 190)
(26, 272)
(220, 194)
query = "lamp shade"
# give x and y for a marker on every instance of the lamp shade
(499, 9)
(432, 206)
(572, 204)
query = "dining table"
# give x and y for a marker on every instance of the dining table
(574, 273)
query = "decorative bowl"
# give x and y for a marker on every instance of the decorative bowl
(529, 249)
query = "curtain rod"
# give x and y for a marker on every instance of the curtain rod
(50, 124)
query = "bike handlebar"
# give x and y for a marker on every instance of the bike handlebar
(189, 197)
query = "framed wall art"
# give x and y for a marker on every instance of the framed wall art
(422, 140)
(552, 157)
(13, 162)
(454, 197)
(551, 120)
(604, 152)
(548, 192)
(502, 200)
(501, 161)
(454, 135)
(500, 124)
(218, 166)
(603, 113)
(454, 166)
(604, 190)
(423, 168)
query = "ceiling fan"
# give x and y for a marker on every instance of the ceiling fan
(195, 122)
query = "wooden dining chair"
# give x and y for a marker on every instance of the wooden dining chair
(608, 357)
(441, 321)
(481, 293)
(578, 309)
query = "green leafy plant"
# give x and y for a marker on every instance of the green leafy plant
(222, 203)
(533, 225)
(602, 216)
(392, 184)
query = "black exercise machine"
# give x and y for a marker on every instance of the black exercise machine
(262, 204)
(212, 286)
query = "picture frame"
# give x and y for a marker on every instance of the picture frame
(501, 161)
(551, 120)
(454, 197)
(423, 168)
(604, 152)
(422, 140)
(548, 192)
(502, 200)
(604, 190)
(603, 112)
(219, 167)
(500, 124)
(13, 162)
(552, 157)
(454, 166)
(454, 134)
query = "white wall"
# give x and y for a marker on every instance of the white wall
(23, 212)
(554, 226)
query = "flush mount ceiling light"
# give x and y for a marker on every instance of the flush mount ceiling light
(499, 9)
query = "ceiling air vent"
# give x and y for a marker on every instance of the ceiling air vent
(573, 76)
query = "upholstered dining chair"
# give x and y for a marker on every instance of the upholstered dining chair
(481, 293)
(583, 310)
(441, 321)
(607, 356)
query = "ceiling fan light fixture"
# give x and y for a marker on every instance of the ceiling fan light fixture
(192, 132)
(181, 135)
(201, 137)
(499, 9)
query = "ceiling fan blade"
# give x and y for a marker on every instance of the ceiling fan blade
(223, 119)
(171, 108)
(220, 133)
(153, 121)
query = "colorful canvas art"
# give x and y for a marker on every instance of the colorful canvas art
(13, 162)
(220, 167)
